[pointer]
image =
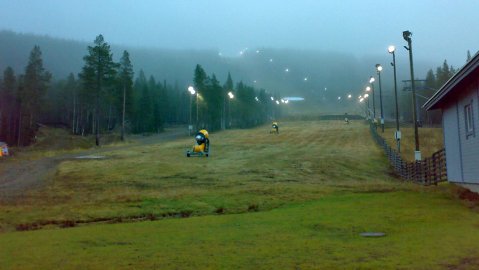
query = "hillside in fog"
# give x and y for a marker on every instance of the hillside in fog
(283, 71)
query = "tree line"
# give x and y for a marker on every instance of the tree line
(106, 97)
(425, 89)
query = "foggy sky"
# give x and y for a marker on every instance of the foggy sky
(442, 29)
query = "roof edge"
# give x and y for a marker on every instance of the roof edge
(450, 84)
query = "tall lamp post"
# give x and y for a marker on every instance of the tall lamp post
(361, 99)
(397, 135)
(407, 37)
(223, 112)
(379, 68)
(192, 92)
(368, 89)
(231, 96)
(366, 96)
(371, 81)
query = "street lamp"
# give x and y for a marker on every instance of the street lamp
(371, 81)
(224, 117)
(368, 89)
(397, 135)
(192, 92)
(231, 96)
(379, 68)
(407, 37)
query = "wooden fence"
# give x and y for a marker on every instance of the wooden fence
(429, 171)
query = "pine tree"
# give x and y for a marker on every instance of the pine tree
(126, 81)
(468, 56)
(156, 117)
(443, 74)
(140, 84)
(200, 80)
(98, 76)
(163, 100)
(35, 85)
(71, 88)
(430, 79)
(146, 110)
(214, 102)
(8, 103)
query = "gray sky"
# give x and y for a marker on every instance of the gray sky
(442, 29)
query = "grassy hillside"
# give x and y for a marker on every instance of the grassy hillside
(297, 200)
(248, 169)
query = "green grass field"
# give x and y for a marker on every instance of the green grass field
(297, 200)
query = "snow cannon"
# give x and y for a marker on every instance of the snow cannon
(202, 145)
(274, 128)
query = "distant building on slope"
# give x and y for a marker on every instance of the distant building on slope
(458, 99)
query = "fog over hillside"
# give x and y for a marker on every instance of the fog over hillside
(284, 71)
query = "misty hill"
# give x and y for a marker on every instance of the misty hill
(316, 75)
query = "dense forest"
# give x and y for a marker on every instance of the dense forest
(97, 88)
(104, 96)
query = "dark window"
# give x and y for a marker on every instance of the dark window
(469, 118)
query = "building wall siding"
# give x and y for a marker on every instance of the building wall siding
(469, 144)
(451, 142)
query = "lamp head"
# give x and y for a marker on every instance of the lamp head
(391, 49)
(406, 35)
(379, 68)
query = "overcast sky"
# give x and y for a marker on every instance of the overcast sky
(442, 29)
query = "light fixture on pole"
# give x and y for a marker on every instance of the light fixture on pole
(371, 81)
(192, 91)
(407, 37)
(368, 89)
(231, 96)
(397, 134)
(379, 68)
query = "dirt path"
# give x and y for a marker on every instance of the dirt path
(18, 177)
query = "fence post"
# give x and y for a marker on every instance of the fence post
(428, 171)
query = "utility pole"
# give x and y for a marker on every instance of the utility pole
(397, 136)
(407, 37)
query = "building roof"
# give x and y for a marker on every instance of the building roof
(454, 84)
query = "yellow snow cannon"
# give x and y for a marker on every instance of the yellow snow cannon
(274, 128)
(202, 145)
